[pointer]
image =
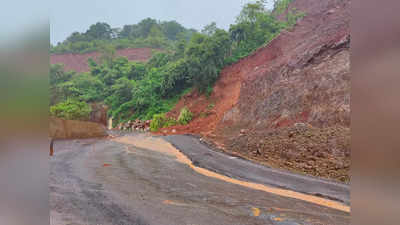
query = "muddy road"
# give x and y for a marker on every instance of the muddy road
(144, 180)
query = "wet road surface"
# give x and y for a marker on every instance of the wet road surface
(139, 179)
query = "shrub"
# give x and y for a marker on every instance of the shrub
(209, 91)
(160, 121)
(71, 110)
(185, 116)
(157, 122)
(210, 106)
(170, 122)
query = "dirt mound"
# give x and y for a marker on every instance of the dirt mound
(311, 150)
(302, 76)
(78, 62)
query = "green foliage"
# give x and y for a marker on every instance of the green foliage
(210, 29)
(280, 6)
(210, 106)
(209, 91)
(185, 116)
(147, 33)
(205, 57)
(257, 26)
(293, 16)
(71, 110)
(190, 60)
(157, 122)
(100, 31)
(56, 78)
(171, 29)
(58, 75)
(251, 12)
(170, 122)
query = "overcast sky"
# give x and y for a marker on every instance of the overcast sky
(73, 15)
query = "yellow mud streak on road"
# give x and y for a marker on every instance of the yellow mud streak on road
(169, 202)
(256, 211)
(159, 145)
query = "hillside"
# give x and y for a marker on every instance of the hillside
(78, 62)
(288, 104)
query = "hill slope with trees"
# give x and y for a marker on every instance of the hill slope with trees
(191, 61)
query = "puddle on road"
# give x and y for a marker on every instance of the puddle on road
(162, 146)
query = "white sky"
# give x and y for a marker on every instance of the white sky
(73, 15)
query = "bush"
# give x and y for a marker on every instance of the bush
(71, 110)
(170, 122)
(160, 121)
(210, 106)
(185, 116)
(157, 122)
(209, 91)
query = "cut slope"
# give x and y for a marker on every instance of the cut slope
(295, 92)
(78, 62)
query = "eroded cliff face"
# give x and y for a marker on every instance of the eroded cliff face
(288, 104)
(294, 102)
(302, 75)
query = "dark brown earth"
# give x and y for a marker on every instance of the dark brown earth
(288, 104)
(78, 62)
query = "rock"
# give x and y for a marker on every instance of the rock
(331, 11)
(300, 125)
(173, 131)
(243, 131)
(321, 155)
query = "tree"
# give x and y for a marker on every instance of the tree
(58, 74)
(205, 57)
(99, 31)
(130, 32)
(209, 29)
(107, 54)
(171, 29)
(250, 11)
(75, 37)
(145, 26)
(155, 32)
(87, 88)
(71, 110)
(121, 92)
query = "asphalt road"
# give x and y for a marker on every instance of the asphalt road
(138, 180)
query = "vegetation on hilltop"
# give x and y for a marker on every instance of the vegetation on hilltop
(147, 33)
(141, 90)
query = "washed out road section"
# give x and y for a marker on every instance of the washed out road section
(138, 179)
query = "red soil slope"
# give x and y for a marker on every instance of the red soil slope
(287, 104)
(78, 62)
